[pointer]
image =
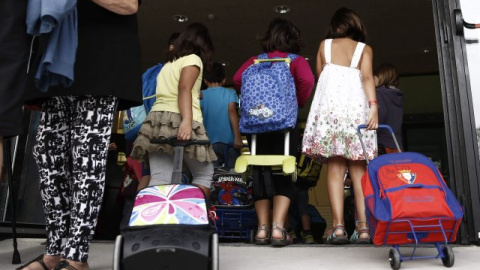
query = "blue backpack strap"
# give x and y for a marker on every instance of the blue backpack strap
(292, 56)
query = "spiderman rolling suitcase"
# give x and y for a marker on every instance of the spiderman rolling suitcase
(231, 195)
(407, 202)
(169, 227)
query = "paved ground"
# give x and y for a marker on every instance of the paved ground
(240, 256)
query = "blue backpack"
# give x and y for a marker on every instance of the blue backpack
(149, 86)
(268, 100)
(134, 117)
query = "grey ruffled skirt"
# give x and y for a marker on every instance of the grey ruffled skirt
(163, 125)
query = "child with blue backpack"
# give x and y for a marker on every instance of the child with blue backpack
(281, 40)
(176, 111)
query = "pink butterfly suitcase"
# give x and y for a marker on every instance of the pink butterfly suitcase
(170, 226)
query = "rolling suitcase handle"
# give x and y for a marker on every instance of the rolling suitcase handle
(178, 157)
(387, 127)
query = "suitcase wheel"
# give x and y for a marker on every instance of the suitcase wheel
(394, 259)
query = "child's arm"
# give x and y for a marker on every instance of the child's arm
(369, 86)
(320, 61)
(188, 76)
(122, 7)
(304, 80)
(237, 78)
(233, 115)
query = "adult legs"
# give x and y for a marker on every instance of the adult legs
(53, 161)
(92, 121)
(71, 152)
(336, 168)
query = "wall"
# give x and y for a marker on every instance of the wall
(422, 94)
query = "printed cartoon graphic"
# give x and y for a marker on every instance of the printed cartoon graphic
(261, 111)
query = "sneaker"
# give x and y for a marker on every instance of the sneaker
(307, 238)
(293, 236)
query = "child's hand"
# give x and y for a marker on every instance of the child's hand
(185, 131)
(238, 143)
(372, 122)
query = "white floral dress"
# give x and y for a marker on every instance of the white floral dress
(338, 107)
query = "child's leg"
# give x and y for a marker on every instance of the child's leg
(161, 168)
(335, 174)
(280, 211)
(302, 204)
(202, 173)
(219, 149)
(262, 208)
(306, 223)
(357, 170)
(145, 180)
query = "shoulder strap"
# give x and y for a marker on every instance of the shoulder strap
(357, 54)
(292, 57)
(328, 50)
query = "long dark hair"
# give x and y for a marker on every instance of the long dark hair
(346, 23)
(282, 35)
(170, 45)
(194, 39)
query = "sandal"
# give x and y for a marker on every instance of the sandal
(39, 260)
(337, 239)
(280, 242)
(64, 265)
(356, 239)
(262, 240)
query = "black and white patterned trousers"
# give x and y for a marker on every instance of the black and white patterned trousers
(71, 155)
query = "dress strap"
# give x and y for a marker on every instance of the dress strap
(357, 54)
(328, 50)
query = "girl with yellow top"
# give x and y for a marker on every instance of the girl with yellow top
(176, 111)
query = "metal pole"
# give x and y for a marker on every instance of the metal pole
(13, 199)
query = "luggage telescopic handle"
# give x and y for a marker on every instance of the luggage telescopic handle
(173, 141)
(387, 127)
(178, 156)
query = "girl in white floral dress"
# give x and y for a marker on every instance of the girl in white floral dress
(344, 98)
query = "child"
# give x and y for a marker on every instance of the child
(345, 98)
(282, 37)
(390, 111)
(149, 84)
(299, 212)
(219, 108)
(176, 111)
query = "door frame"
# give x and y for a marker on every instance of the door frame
(462, 147)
